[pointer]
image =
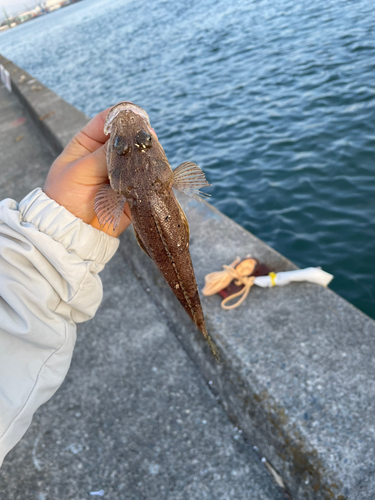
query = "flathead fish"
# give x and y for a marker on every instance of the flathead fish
(139, 173)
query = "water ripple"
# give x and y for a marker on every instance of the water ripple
(275, 100)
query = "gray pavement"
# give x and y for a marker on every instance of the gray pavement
(134, 417)
(24, 156)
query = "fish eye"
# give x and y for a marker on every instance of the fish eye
(121, 146)
(143, 140)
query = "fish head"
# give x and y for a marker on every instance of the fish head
(135, 157)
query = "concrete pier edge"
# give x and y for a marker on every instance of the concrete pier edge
(55, 118)
(297, 363)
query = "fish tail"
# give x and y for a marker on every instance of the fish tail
(196, 314)
(209, 340)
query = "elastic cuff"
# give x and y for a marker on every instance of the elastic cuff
(53, 219)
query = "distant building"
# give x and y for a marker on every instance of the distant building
(39, 10)
(51, 5)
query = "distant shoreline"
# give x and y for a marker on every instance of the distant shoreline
(40, 10)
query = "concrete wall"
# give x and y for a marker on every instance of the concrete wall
(297, 371)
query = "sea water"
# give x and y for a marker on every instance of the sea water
(274, 100)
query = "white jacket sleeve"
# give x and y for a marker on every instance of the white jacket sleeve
(49, 265)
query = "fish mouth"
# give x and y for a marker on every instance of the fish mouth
(124, 106)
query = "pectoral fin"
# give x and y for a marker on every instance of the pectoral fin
(189, 178)
(109, 206)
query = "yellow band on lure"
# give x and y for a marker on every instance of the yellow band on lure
(273, 275)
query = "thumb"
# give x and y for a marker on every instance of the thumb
(96, 162)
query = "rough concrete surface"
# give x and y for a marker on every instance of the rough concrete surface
(56, 119)
(24, 157)
(298, 363)
(297, 371)
(134, 417)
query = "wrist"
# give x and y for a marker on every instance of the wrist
(49, 217)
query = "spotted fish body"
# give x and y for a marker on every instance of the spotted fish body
(140, 174)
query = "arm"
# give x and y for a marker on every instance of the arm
(50, 255)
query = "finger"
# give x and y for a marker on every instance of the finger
(92, 136)
(97, 164)
(90, 171)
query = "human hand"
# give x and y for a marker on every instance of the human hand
(80, 171)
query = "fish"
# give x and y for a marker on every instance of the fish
(139, 173)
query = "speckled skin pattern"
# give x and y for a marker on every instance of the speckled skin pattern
(139, 170)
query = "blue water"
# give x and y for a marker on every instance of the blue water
(275, 100)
